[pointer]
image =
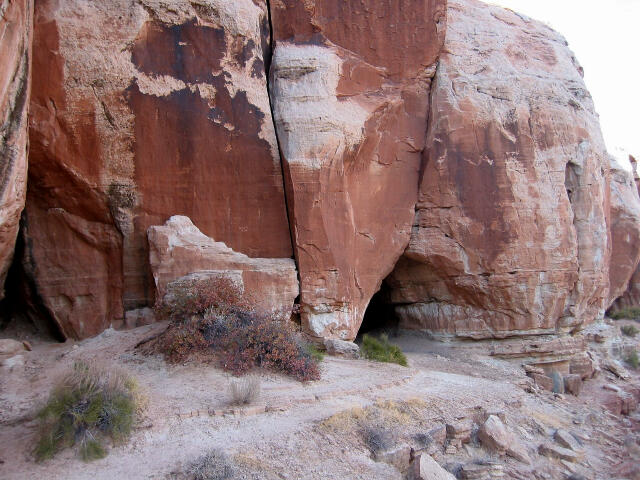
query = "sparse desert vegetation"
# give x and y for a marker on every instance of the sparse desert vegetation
(210, 318)
(215, 465)
(381, 350)
(630, 313)
(632, 359)
(244, 390)
(89, 404)
(629, 330)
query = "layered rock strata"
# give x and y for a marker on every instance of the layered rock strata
(180, 251)
(142, 110)
(510, 235)
(350, 85)
(16, 18)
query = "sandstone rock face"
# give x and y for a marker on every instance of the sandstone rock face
(15, 78)
(631, 297)
(350, 90)
(510, 236)
(142, 110)
(178, 249)
(625, 230)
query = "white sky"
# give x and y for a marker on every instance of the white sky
(605, 36)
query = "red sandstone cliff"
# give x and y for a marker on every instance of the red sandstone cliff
(452, 152)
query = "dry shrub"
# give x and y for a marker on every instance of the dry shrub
(244, 390)
(211, 318)
(378, 425)
(89, 404)
(215, 465)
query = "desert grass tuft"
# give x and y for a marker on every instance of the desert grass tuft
(244, 390)
(381, 350)
(89, 404)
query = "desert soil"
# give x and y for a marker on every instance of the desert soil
(282, 435)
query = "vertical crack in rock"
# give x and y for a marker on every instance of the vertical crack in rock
(267, 54)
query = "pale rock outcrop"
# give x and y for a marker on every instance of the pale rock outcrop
(15, 79)
(178, 250)
(624, 225)
(142, 110)
(424, 467)
(350, 90)
(510, 235)
(495, 436)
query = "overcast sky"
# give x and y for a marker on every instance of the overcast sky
(605, 36)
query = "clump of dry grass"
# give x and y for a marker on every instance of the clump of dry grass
(244, 390)
(378, 425)
(90, 403)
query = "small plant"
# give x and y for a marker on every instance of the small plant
(215, 465)
(632, 359)
(630, 313)
(377, 438)
(89, 404)
(314, 352)
(381, 350)
(244, 390)
(629, 330)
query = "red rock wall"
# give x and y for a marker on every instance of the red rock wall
(16, 18)
(628, 242)
(141, 111)
(350, 89)
(510, 235)
(625, 230)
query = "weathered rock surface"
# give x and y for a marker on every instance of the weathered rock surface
(494, 435)
(554, 451)
(631, 297)
(142, 110)
(625, 230)
(350, 88)
(341, 348)
(15, 78)
(179, 249)
(510, 236)
(424, 467)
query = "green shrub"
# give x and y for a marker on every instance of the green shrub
(632, 359)
(629, 330)
(631, 313)
(89, 404)
(211, 318)
(314, 352)
(381, 350)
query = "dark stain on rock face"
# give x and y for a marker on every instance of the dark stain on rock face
(188, 51)
(479, 175)
(245, 54)
(214, 168)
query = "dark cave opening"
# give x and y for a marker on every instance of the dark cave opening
(380, 317)
(22, 314)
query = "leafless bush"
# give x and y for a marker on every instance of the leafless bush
(244, 390)
(377, 438)
(215, 465)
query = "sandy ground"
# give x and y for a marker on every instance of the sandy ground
(281, 437)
